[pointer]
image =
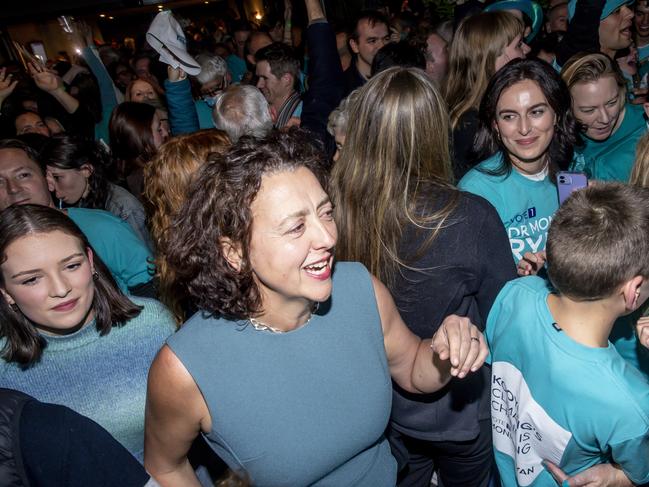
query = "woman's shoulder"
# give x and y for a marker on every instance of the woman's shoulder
(121, 199)
(344, 269)
(473, 206)
(483, 175)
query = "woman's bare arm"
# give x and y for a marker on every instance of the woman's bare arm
(425, 366)
(175, 414)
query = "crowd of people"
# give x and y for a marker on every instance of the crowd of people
(333, 255)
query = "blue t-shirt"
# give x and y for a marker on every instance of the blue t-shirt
(237, 67)
(126, 256)
(525, 207)
(555, 399)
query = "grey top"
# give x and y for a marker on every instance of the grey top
(127, 207)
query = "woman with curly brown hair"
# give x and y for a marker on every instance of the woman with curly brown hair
(166, 181)
(286, 370)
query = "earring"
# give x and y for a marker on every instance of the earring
(95, 275)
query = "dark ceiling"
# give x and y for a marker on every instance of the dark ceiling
(30, 10)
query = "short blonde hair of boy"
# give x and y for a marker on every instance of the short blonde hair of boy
(598, 240)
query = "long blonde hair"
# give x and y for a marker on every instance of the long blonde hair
(640, 171)
(166, 182)
(476, 45)
(396, 150)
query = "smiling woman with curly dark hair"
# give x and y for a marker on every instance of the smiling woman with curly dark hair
(283, 338)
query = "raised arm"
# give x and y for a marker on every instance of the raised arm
(51, 83)
(583, 30)
(425, 366)
(288, 15)
(175, 415)
(325, 72)
(183, 118)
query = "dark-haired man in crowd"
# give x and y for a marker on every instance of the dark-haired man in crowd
(371, 32)
(278, 73)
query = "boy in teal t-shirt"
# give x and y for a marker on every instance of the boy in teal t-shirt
(524, 205)
(560, 391)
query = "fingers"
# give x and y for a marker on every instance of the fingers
(472, 355)
(524, 268)
(643, 335)
(439, 344)
(454, 337)
(531, 263)
(6, 80)
(483, 352)
(559, 476)
(457, 331)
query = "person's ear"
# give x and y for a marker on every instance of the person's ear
(10, 301)
(251, 59)
(496, 129)
(50, 182)
(631, 292)
(86, 170)
(232, 252)
(354, 45)
(287, 80)
(91, 259)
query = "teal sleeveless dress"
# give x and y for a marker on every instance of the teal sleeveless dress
(307, 407)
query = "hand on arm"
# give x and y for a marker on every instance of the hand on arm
(462, 343)
(425, 366)
(603, 475)
(51, 83)
(531, 263)
(175, 414)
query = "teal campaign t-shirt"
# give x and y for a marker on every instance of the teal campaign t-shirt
(525, 206)
(558, 400)
(612, 159)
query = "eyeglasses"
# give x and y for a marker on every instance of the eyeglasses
(214, 91)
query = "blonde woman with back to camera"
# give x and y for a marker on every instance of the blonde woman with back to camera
(437, 249)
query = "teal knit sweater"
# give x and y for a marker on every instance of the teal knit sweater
(101, 377)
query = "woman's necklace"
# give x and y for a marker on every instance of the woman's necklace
(261, 326)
